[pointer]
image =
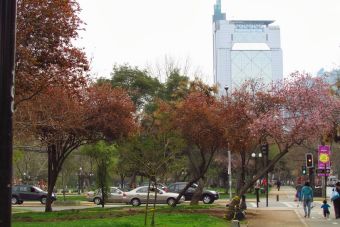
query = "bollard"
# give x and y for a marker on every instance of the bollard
(277, 198)
(235, 223)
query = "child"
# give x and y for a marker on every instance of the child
(325, 208)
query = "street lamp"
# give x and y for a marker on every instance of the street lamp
(256, 156)
(79, 180)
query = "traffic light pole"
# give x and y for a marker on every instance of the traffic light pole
(7, 64)
(325, 181)
(267, 186)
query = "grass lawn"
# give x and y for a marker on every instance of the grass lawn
(166, 220)
(60, 197)
(199, 216)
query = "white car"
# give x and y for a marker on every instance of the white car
(115, 196)
(139, 195)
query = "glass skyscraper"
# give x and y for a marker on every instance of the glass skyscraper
(245, 49)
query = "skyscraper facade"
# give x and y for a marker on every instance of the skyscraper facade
(245, 49)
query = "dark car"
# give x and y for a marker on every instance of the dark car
(21, 193)
(208, 196)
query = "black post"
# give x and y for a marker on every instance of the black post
(257, 197)
(7, 64)
(267, 180)
(325, 181)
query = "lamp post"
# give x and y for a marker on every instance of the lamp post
(265, 151)
(226, 88)
(7, 69)
(256, 156)
(79, 180)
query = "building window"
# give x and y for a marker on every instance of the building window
(247, 65)
(249, 28)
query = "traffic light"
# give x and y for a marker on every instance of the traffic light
(309, 160)
(304, 170)
(264, 148)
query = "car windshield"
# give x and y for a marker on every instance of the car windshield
(37, 189)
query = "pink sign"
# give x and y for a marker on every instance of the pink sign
(324, 160)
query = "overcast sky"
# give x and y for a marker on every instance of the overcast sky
(142, 32)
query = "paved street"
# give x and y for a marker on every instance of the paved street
(286, 210)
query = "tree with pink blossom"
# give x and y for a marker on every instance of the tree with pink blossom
(296, 111)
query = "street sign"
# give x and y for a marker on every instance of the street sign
(322, 171)
(324, 160)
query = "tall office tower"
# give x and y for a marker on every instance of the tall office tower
(245, 49)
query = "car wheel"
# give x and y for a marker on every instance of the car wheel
(170, 201)
(97, 201)
(207, 199)
(15, 200)
(43, 200)
(135, 202)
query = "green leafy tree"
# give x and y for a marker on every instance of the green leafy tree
(154, 150)
(141, 87)
(104, 155)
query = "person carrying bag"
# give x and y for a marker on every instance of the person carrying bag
(335, 198)
(307, 198)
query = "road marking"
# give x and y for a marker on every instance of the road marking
(302, 220)
(288, 204)
(335, 223)
(253, 204)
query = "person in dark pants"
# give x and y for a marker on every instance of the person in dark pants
(336, 201)
(325, 207)
(278, 184)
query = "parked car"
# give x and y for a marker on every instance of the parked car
(21, 193)
(159, 185)
(332, 180)
(139, 195)
(208, 196)
(115, 196)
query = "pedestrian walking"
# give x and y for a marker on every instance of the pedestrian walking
(307, 198)
(325, 207)
(335, 197)
(298, 192)
(278, 184)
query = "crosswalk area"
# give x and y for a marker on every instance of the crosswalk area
(282, 204)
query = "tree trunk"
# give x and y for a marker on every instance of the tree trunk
(52, 174)
(185, 189)
(133, 181)
(122, 178)
(198, 193)
(242, 179)
(147, 204)
(52, 179)
(103, 181)
(154, 206)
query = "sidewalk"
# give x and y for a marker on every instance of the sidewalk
(271, 218)
(286, 212)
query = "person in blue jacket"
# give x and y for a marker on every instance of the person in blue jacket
(307, 198)
(336, 200)
(325, 207)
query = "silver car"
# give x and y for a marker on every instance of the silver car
(139, 195)
(115, 196)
